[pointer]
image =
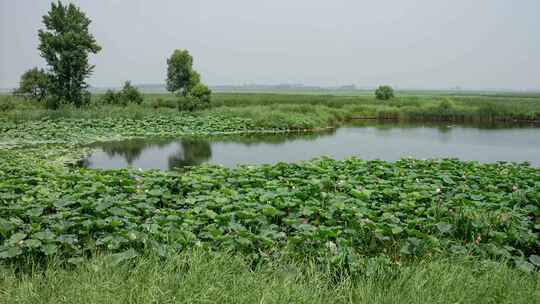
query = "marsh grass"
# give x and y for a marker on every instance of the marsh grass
(203, 277)
(301, 111)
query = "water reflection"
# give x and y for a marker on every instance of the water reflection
(149, 153)
(367, 140)
(193, 152)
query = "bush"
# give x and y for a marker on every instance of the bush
(384, 92)
(446, 106)
(187, 104)
(110, 97)
(198, 98)
(202, 93)
(156, 103)
(34, 85)
(128, 94)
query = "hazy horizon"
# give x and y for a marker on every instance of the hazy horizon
(415, 44)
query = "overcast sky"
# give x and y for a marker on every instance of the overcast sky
(405, 43)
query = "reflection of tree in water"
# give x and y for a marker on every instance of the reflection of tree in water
(194, 152)
(130, 149)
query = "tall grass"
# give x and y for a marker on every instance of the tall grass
(199, 277)
(289, 111)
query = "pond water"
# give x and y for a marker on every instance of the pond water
(386, 141)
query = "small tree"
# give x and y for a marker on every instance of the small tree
(180, 73)
(130, 94)
(384, 92)
(33, 85)
(183, 80)
(65, 44)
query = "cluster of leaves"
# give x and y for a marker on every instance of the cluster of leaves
(128, 94)
(344, 209)
(88, 130)
(384, 92)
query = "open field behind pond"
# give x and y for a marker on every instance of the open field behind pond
(308, 110)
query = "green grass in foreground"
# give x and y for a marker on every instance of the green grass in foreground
(199, 277)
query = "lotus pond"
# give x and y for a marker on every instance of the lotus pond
(338, 209)
(389, 141)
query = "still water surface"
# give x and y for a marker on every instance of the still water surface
(365, 140)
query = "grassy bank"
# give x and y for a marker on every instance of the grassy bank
(199, 277)
(27, 122)
(300, 111)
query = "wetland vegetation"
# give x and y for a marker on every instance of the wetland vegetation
(309, 229)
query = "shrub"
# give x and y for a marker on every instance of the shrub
(202, 94)
(110, 97)
(198, 98)
(446, 106)
(34, 85)
(130, 94)
(156, 103)
(187, 104)
(384, 92)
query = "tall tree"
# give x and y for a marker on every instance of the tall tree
(180, 74)
(65, 44)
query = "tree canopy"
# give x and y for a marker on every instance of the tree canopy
(65, 44)
(384, 92)
(180, 74)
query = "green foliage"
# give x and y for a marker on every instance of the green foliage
(446, 105)
(345, 209)
(309, 111)
(198, 98)
(65, 44)
(183, 80)
(34, 85)
(110, 97)
(128, 95)
(384, 92)
(180, 73)
(123, 122)
(160, 102)
(187, 104)
(194, 80)
(202, 93)
(6, 104)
